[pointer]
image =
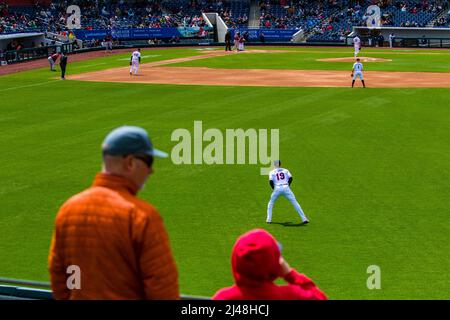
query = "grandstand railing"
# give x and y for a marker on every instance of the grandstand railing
(17, 289)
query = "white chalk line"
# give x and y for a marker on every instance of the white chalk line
(28, 85)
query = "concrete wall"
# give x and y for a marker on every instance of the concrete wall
(221, 26)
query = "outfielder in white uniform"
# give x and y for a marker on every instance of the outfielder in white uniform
(357, 45)
(280, 180)
(134, 61)
(357, 72)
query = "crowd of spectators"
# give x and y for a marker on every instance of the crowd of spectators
(233, 22)
(333, 20)
(329, 18)
(443, 22)
(16, 22)
(284, 14)
(102, 14)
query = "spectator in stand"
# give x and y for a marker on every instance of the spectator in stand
(118, 241)
(256, 263)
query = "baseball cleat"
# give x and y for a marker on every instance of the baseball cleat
(268, 221)
(305, 222)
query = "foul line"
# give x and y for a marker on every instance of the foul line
(28, 85)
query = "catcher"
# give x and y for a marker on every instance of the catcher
(357, 72)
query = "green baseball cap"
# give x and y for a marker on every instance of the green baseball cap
(127, 140)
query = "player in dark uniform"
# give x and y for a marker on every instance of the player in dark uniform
(63, 64)
(228, 41)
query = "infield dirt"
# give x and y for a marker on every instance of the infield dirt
(157, 73)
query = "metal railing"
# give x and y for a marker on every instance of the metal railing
(18, 289)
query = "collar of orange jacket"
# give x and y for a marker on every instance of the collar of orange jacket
(115, 182)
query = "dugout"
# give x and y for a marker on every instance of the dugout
(404, 37)
(27, 40)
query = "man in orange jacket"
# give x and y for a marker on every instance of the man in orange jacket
(256, 261)
(107, 243)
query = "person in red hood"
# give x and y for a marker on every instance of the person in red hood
(256, 261)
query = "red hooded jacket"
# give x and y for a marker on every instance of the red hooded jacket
(255, 263)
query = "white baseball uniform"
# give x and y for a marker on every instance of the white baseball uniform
(391, 40)
(135, 62)
(356, 44)
(280, 178)
(357, 71)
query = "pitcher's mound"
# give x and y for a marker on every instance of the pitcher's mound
(363, 59)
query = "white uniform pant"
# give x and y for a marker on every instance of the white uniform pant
(288, 194)
(52, 63)
(358, 74)
(356, 50)
(241, 46)
(134, 67)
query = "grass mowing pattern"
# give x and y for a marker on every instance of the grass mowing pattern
(371, 171)
(306, 59)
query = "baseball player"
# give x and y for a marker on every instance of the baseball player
(52, 60)
(135, 61)
(280, 179)
(391, 40)
(357, 72)
(241, 43)
(237, 36)
(357, 45)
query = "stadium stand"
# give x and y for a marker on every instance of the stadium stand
(321, 21)
(235, 14)
(332, 20)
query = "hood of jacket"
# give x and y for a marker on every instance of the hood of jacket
(255, 258)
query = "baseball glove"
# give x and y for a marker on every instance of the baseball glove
(351, 75)
(130, 63)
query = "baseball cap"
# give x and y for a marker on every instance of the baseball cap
(127, 140)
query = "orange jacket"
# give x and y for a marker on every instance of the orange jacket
(118, 241)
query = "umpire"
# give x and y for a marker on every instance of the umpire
(63, 64)
(228, 41)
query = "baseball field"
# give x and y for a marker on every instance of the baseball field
(371, 166)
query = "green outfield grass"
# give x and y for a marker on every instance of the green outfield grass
(306, 59)
(371, 170)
